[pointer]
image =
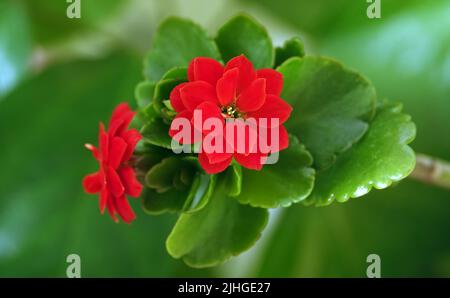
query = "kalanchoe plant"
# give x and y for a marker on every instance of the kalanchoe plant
(336, 140)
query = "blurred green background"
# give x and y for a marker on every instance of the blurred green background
(60, 76)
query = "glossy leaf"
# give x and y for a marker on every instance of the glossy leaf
(156, 132)
(176, 42)
(233, 179)
(243, 35)
(379, 159)
(289, 180)
(201, 191)
(222, 229)
(144, 93)
(291, 48)
(332, 106)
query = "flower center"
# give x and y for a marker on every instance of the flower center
(232, 111)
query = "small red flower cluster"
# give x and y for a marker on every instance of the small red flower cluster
(115, 178)
(235, 90)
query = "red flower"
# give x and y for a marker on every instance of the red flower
(115, 178)
(235, 90)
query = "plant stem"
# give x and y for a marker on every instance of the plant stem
(432, 171)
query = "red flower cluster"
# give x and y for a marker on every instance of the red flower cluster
(115, 178)
(235, 90)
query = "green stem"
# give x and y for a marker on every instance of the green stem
(432, 171)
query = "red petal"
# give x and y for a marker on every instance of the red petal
(113, 181)
(208, 110)
(215, 167)
(124, 209)
(175, 98)
(274, 80)
(274, 107)
(103, 143)
(253, 98)
(194, 93)
(215, 158)
(121, 118)
(104, 196)
(241, 135)
(94, 150)
(247, 73)
(118, 148)
(111, 208)
(174, 130)
(131, 137)
(253, 161)
(227, 87)
(283, 139)
(132, 186)
(205, 69)
(93, 183)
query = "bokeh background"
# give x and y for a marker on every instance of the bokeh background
(60, 76)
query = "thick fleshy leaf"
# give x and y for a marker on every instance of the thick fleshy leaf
(156, 132)
(332, 106)
(291, 48)
(163, 90)
(379, 159)
(233, 179)
(176, 42)
(201, 191)
(243, 35)
(155, 203)
(161, 176)
(287, 181)
(176, 73)
(143, 93)
(222, 229)
(15, 44)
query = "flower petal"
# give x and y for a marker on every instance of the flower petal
(274, 107)
(194, 93)
(113, 181)
(272, 146)
(93, 183)
(132, 186)
(175, 98)
(253, 161)
(94, 150)
(111, 208)
(103, 201)
(103, 143)
(131, 137)
(274, 80)
(124, 209)
(205, 69)
(208, 110)
(117, 151)
(174, 129)
(226, 87)
(121, 118)
(252, 98)
(247, 73)
(212, 168)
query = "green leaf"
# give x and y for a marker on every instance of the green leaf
(176, 73)
(162, 92)
(332, 106)
(155, 203)
(161, 176)
(15, 44)
(222, 229)
(291, 48)
(156, 132)
(233, 179)
(200, 193)
(288, 181)
(379, 159)
(176, 42)
(244, 35)
(144, 93)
